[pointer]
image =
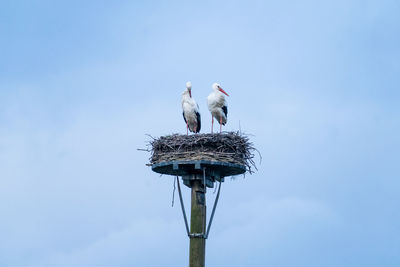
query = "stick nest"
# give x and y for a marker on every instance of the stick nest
(230, 147)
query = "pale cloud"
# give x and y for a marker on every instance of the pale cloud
(314, 83)
(151, 241)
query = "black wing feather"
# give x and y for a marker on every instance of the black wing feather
(183, 113)
(198, 122)
(225, 110)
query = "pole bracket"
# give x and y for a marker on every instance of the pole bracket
(197, 235)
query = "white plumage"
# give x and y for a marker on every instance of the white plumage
(217, 106)
(191, 113)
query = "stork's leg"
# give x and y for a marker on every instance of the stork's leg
(187, 127)
(220, 124)
(212, 123)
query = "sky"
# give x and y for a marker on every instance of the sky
(314, 83)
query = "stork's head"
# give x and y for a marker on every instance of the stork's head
(217, 87)
(189, 88)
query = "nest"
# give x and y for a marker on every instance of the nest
(230, 147)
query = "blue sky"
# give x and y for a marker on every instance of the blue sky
(314, 82)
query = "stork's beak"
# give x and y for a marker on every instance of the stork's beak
(190, 92)
(222, 90)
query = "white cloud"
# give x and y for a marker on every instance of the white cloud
(144, 242)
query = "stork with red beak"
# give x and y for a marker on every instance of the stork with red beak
(217, 106)
(191, 113)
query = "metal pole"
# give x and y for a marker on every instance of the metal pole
(213, 211)
(197, 247)
(182, 206)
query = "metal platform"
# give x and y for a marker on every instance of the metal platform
(199, 169)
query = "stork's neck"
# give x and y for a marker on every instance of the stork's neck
(187, 93)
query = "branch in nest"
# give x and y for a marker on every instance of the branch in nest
(229, 147)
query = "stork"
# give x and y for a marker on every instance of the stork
(217, 106)
(191, 113)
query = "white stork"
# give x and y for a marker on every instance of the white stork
(191, 113)
(217, 106)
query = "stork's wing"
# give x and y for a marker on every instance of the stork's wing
(225, 110)
(198, 122)
(183, 114)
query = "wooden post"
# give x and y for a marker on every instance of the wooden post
(197, 247)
